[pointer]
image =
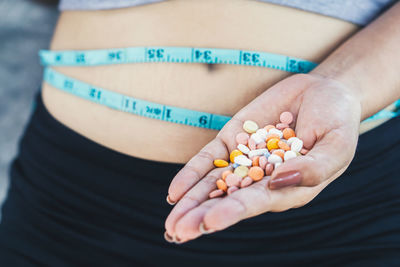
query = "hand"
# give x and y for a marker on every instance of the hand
(327, 118)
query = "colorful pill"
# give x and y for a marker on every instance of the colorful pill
(276, 131)
(244, 149)
(243, 160)
(241, 171)
(234, 154)
(220, 163)
(269, 169)
(291, 140)
(252, 144)
(262, 162)
(289, 155)
(256, 173)
(261, 145)
(216, 193)
(232, 189)
(283, 145)
(246, 182)
(250, 126)
(296, 145)
(279, 153)
(271, 136)
(262, 133)
(257, 152)
(273, 143)
(269, 127)
(256, 161)
(233, 180)
(288, 133)
(222, 185)
(286, 117)
(274, 159)
(226, 173)
(281, 126)
(242, 138)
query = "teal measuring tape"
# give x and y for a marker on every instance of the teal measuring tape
(175, 55)
(163, 54)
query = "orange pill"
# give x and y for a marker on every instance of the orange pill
(256, 173)
(234, 154)
(273, 143)
(226, 173)
(269, 127)
(280, 153)
(283, 145)
(256, 161)
(288, 133)
(270, 136)
(222, 185)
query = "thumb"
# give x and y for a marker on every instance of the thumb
(329, 157)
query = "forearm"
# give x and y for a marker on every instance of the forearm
(369, 63)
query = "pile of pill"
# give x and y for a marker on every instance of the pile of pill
(259, 151)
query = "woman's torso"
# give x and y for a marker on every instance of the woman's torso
(221, 89)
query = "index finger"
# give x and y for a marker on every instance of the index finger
(203, 162)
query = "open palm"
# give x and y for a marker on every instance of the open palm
(327, 118)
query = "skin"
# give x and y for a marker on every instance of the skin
(207, 23)
(328, 105)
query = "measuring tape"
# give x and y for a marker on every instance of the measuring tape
(164, 54)
(175, 55)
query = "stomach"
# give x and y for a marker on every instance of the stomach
(221, 89)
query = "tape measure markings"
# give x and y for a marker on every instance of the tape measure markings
(133, 105)
(175, 55)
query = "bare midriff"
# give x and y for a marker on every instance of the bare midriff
(220, 89)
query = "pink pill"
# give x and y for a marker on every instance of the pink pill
(263, 162)
(216, 193)
(252, 144)
(286, 117)
(233, 180)
(281, 126)
(246, 182)
(269, 169)
(261, 145)
(232, 189)
(242, 138)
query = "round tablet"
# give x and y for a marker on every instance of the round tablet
(286, 117)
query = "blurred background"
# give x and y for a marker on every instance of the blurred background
(25, 27)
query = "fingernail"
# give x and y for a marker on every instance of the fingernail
(285, 179)
(203, 229)
(177, 240)
(168, 237)
(170, 201)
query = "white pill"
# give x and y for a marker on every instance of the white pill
(257, 138)
(276, 131)
(296, 145)
(274, 159)
(289, 155)
(250, 126)
(291, 139)
(257, 152)
(262, 133)
(243, 160)
(243, 148)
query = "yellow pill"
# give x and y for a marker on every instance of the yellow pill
(221, 163)
(241, 171)
(234, 154)
(273, 143)
(250, 126)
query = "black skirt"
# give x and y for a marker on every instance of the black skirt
(73, 202)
